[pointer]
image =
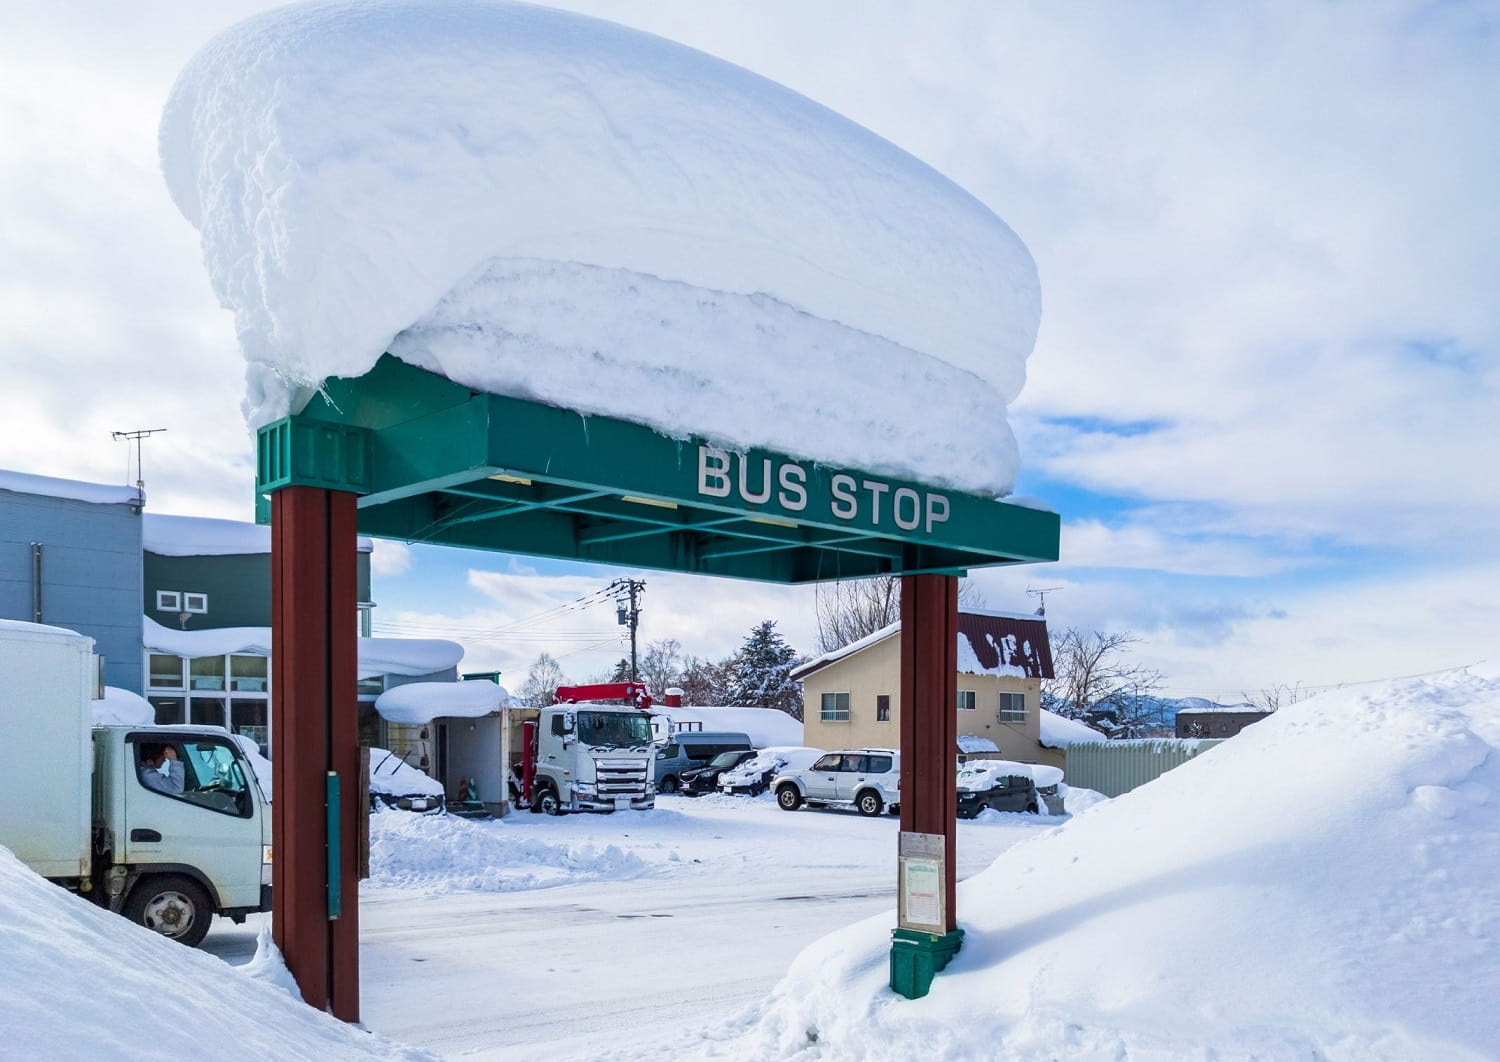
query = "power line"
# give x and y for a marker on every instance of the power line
(1250, 687)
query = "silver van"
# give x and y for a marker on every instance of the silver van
(689, 749)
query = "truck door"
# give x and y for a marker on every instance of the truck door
(213, 824)
(822, 778)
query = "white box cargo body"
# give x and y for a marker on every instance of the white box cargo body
(47, 676)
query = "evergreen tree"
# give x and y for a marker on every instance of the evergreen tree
(760, 672)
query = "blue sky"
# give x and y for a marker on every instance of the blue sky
(1266, 390)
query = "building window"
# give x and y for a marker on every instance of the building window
(206, 711)
(247, 674)
(207, 673)
(195, 603)
(966, 700)
(1012, 707)
(165, 671)
(835, 707)
(168, 710)
(168, 601)
(883, 708)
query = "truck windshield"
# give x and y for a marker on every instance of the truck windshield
(614, 730)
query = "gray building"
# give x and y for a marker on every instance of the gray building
(70, 556)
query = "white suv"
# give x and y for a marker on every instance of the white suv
(869, 779)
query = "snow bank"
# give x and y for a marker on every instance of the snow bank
(80, 982)
(1326, 885)
(444, 853)
(1058, 731)
(48, 487)
(122, 708)
(763, 726)
(422, 702)
(392, 775)
(200, 536)
(542, 204)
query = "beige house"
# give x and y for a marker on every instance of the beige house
(852, 696)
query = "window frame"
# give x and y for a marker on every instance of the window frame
(169, 601)
(967, 700)
(832, 715)
(201, 609)
(882, 708)
(1012, 714)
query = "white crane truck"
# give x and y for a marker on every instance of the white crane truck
(584, 756)
(79, 804)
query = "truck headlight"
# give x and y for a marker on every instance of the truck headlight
(584, 787)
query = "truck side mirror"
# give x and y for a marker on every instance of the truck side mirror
(569, 725)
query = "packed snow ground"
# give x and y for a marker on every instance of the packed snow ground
(541, 204)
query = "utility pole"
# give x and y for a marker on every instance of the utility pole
(629, 590)
(138, 434)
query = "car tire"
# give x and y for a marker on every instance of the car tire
(788, 799)
(547, 801)
(868, 803)
(668, 784)
(173, 905)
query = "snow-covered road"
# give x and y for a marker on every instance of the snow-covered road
(683, 916)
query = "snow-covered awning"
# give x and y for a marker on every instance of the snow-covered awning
(422, 702)
(377, 656)
(968, 743)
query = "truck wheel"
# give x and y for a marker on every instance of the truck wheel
(175, 906)
(788, 799)
(869, 803)
(667, 784)
(547, 802)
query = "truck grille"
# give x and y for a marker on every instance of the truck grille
(620, 777)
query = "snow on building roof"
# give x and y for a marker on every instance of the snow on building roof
(48, 487)
(1219, 709)
(377, 656)
(968, 743)
(763, 726)
(200, 536)
(989, 643)
(422, 702)
(43, 630)
(542, 204)
(1058, 731)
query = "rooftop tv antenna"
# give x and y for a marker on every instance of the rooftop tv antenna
(137, 434)
(1040, 593)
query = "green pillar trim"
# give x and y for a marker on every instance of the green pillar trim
(294, 452)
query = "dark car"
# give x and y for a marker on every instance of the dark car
(705, 779)
(1006, 792)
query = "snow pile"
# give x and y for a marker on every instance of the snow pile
(444, 853)
(763, 726)
(1326, 885)
(775, 759)
(542, 204)
(393, 776)
(415, 703)
(80, 982)
(122, 708)
(1058, 731)
(200, 536)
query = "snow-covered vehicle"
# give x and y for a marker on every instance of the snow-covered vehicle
(585, 756)
(705, 779)
(1005, 785)
(163, 824)
(869, 779)
(754, 775)
(397, 784)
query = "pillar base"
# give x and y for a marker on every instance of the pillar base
(917, 957)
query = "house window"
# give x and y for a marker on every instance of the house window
(168, 601)
(1012, 707)
(165, 671)
(835, 708)
(195, 603)
(883, 708)
(966, 700)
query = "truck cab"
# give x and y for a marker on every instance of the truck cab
(591, 757)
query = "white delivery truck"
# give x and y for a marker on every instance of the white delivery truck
(584, 756)
(166, 825)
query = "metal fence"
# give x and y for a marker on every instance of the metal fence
(1115, 767)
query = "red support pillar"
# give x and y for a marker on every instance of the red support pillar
(929, 772)
(314, 734)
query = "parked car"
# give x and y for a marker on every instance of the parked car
(699, 780)
(397, 784)
(867, 779)
(1004, 785)
(754, 775)
(691, 749)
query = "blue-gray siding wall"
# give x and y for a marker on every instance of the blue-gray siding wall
(91, 574)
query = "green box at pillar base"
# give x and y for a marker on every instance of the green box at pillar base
(917, 957)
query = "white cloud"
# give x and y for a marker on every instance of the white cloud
(390, 557)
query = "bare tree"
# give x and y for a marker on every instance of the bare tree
(661, 665)
(851, 609)
(1279, 696)
(1097, 684)
(540, 687)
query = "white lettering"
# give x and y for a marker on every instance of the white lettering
(876, 489)
(792, 479)
(937, 510)
(765, 482)
(713, 466)
(906, 494)
(844, 504)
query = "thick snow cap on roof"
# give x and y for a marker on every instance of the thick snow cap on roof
(422, 702)
(377, 656)
(50, 487)
(546, 205)
(763, 726)
(201, 536)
